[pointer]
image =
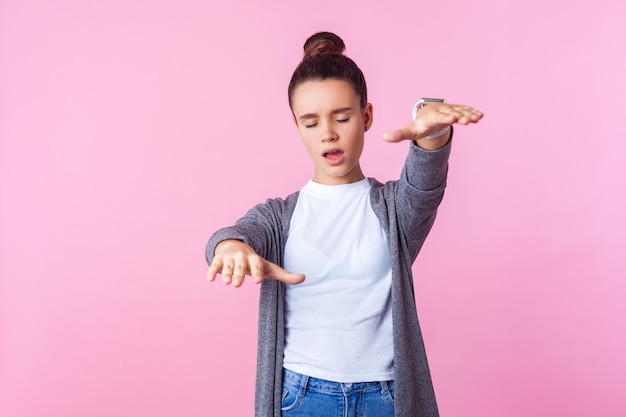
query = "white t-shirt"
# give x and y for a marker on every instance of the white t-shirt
(338, 321)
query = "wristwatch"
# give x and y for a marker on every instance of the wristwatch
(423, 102)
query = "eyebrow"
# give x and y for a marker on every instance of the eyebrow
(336, 111)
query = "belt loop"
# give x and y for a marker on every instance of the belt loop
(384, 387)
(304, 381)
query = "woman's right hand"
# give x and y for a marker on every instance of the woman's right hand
(235, 259)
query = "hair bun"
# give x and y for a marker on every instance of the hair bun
(323, 43)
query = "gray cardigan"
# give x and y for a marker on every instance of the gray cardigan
(406, 209)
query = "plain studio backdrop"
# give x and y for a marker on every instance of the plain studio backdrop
(131, 130)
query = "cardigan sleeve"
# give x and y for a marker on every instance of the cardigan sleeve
(265, 228)
(419, 192)
(261, 228)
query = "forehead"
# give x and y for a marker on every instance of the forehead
(316, 96)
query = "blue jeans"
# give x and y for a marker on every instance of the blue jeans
(305, 396)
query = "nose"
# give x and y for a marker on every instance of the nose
(328, 133)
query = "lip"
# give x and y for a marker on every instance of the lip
(333, 156)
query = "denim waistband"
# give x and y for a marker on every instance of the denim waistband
(322, 385)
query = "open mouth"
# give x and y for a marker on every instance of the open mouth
(333, 156)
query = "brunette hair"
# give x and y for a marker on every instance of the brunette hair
(324, 59)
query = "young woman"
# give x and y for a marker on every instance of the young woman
(346, 340)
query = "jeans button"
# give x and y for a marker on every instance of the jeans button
(349, 384)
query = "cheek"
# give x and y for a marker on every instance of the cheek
(306, 134)
(308, 144)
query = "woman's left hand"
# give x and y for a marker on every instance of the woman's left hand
(431, 119)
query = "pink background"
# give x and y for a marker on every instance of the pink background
(130, 131)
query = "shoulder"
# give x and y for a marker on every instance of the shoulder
(278, 209)
(282, 204)
(382, 199)
(381, 190)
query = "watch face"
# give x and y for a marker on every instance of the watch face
(432, 100)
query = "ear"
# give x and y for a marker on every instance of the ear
(368, 116)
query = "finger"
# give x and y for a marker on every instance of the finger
(216, 265)
(274, 271)
(256, 266)
(441, 118)
(467, 118)
(474, 115)
(464, 114)
(399, 135)
(227, 271)
(239, 272)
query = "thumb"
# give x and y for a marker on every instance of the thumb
(273, 271)
(399, 135)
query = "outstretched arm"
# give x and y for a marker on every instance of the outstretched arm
(431, 119)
